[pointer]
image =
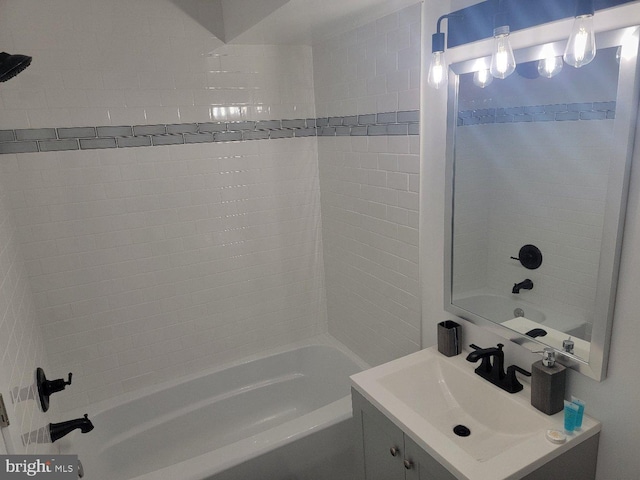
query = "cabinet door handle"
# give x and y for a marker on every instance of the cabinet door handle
(395, 451)
(408, 464)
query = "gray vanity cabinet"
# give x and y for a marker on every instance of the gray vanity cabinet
(384, 452)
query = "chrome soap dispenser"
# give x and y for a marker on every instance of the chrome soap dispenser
(547, 383)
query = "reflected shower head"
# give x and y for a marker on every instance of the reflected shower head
(11, 65)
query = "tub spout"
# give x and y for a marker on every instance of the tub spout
(59, 430)
(524, 285)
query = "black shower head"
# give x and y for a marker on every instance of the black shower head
(11, 65)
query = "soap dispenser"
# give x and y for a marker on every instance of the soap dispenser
(547, 383)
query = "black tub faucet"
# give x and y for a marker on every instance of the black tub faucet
(59, 430)
(524, 285)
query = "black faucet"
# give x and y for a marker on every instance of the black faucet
(524, 285)
(536, 332)
(494, 371)
(59, 430)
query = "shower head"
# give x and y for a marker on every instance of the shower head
(12, 65)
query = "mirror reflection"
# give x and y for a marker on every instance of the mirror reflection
(532, 164)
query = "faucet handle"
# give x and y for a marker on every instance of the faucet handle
(516, 368)
(46, 388)
(511, 383)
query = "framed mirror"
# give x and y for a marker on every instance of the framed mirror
(537, 176)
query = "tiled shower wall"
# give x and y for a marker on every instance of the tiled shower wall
(21, 343)
(150, 263)
(118, 62)
(147, 263)
(370, 188)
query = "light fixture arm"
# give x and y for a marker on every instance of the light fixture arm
(438, 39)
(585, 8)
(500, 17)
(437, 76)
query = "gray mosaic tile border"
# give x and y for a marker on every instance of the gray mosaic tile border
(539, 113)
(91, 138)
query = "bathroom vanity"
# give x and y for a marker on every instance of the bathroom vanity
(427, 416)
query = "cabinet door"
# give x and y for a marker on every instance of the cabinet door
(421, 465)
(381, 442)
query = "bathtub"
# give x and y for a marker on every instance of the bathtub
(277, 416)
(501, 308)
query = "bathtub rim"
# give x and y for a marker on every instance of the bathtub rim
(323, 339)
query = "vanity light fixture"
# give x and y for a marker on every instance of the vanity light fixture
(581, 47)
(481, 76)
(551, 64)
(503, 62)
(627, 49)
(438, 69)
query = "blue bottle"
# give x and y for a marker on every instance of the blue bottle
(580, 404)
(570, 416)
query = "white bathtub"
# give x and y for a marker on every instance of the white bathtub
(501, 308)
(283, 415)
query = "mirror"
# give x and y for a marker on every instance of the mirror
(537, 175)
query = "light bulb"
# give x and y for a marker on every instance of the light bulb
(482, 78)
(549, 66)
(627, 50)
(503, 62)
(581, 48)
(437, 70)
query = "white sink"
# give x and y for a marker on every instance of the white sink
(427, 394)
(447, 395)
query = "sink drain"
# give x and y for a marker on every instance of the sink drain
(461, 431)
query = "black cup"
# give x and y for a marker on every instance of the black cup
(449, 338)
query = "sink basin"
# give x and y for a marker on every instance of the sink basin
(428, 395)
(447, 396)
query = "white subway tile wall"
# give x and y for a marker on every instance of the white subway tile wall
(374, 68)
(130, 63)
(148, 263)
(21, 343)
(370, 187)
(152, 263)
